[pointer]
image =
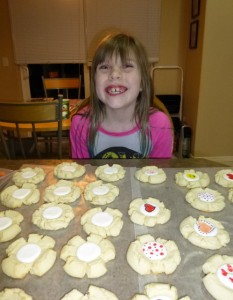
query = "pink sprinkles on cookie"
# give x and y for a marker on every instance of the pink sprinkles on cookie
(154, 250)
(225, 275)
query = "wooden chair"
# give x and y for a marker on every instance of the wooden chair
(62, 84)
(13, 115)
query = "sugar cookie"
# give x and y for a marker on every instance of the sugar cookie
(29, 175)
(14, 197)
(9, 225)
(34, 256)
(205, 199)
(218, 279)
(192, 179)
(104, 223)
(87, 257)
(148, 212)
(14, 294)
(94, 293)
(110, 173)
(159, 291)
(149, 256)
(67, 170)
(100, 193)
(151, 174)
(63, 191)
(53, 216)
(230, 195)
(206, 233)
(224, 178)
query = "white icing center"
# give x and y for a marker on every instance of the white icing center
(100, 190)
(102, 219)
(206, 197)
(68, 169)
(191, 176)
(210, 229)
(154, 250)
(28, 174)
(161, 298)
(151, 172)
(228, 176)
(149, 209)
(21, 193)
(225, 275)
(5, 222)
(110, 170)
(62, 190)
(88, 252)
(52, 212)
(28, 253)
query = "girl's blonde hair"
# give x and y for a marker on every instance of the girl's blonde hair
(124, 46)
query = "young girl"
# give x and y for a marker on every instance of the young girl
(119, 121)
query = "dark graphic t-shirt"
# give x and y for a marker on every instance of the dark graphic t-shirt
(118, 152)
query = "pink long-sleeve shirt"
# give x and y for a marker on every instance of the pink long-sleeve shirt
(122, 144)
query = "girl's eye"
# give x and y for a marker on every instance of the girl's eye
(103, 67)
(128, 66)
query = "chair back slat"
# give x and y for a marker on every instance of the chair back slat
(61, 84)
(29, 112)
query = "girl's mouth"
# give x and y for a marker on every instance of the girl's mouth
(115, 90)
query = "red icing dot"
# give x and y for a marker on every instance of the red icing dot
(149, 207)
(230, 176)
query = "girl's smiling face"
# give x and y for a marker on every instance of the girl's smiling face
(118, 84)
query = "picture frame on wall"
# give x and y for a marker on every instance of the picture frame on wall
(193, 35)
(195, 8)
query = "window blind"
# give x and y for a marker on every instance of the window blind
(47, 31)
(141, 18)
(66, 31)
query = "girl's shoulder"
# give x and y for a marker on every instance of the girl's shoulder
(158, 117)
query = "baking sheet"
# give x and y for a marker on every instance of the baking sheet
(120, 278)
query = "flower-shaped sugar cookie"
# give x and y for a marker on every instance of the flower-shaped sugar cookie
(224, 178)
(159, 291)
(205, 199)
(87, 257)
(52, 216)
(28, 175)
(148, 212)
(104, 223)
(110, 173)
(67, 170)
(9, 225)
(14, 196)
(218, 279)
(146, 255)
(206, 233)
(14, 294)
(230, 195)
(151, 174)
(94, 293)
(63, 191)
(34, 256)
(192, 179)
(100, 193)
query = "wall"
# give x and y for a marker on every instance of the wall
(173, 36)
(209, 82)
(10, 86)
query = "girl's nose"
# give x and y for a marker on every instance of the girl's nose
(115, 73)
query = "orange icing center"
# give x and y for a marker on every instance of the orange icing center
(204, 227)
